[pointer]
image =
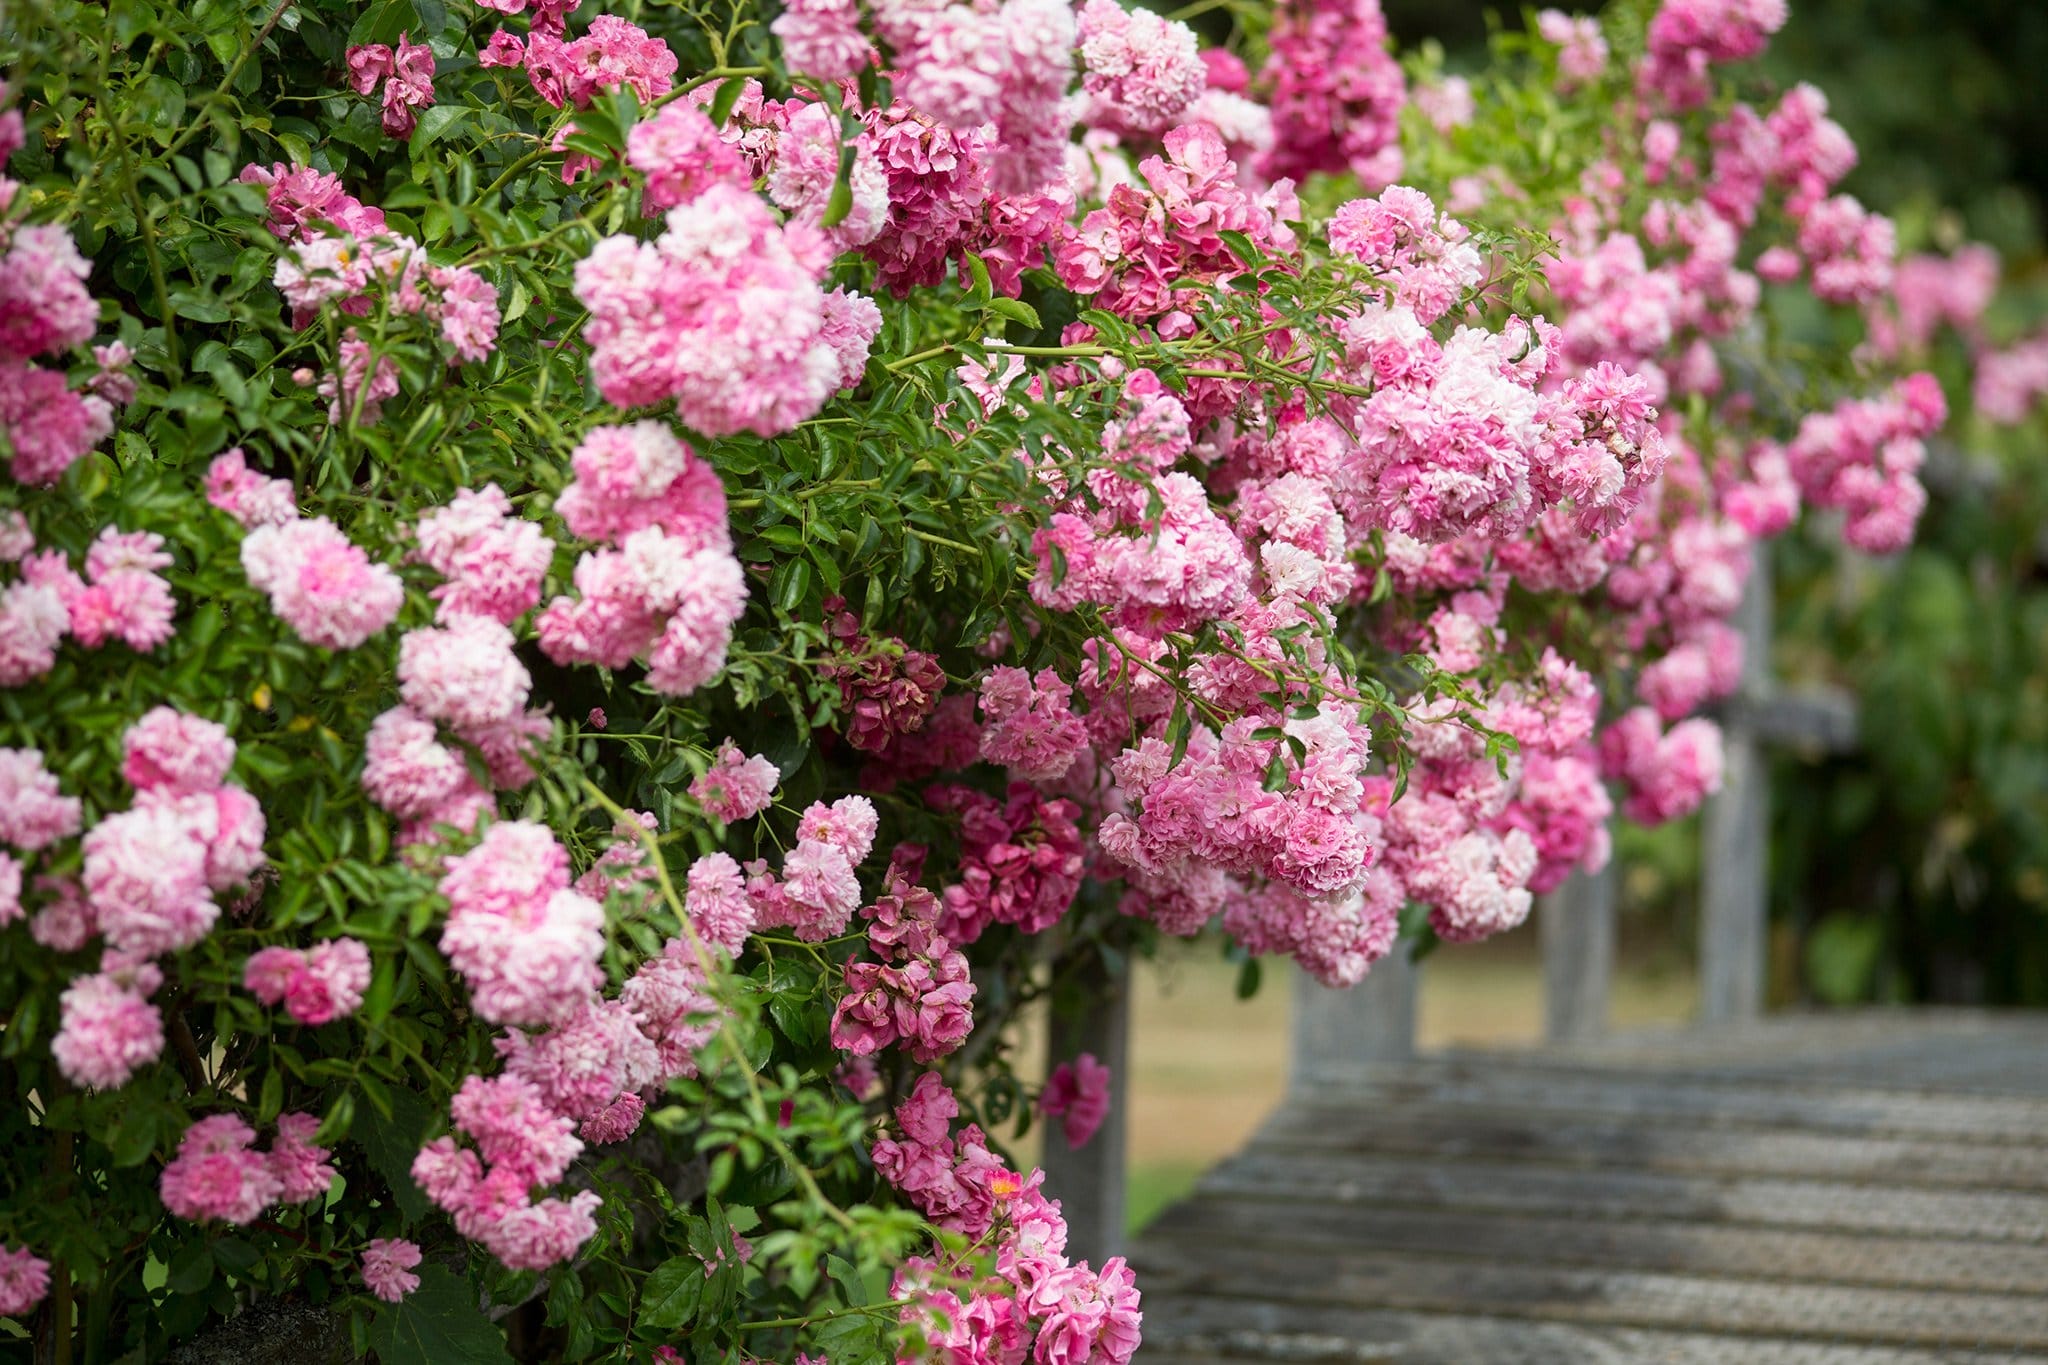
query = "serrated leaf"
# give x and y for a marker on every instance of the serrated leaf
(391, 1145)
(671, 1293)
(437, 1324)
(436, 123)
(849, 1281)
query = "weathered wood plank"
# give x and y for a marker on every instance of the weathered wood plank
(1735, 833)
(1651, 1142)
(1576, 922)
(1949, 1050)
(1221, 1330)
(1788, 1255)
(1417, 1282)
(1337, 1032)
(1508, 1187)
(1787, 1102)
(1090, 1182)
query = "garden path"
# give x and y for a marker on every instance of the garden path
(1868, 1188)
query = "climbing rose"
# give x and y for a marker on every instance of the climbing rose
(387, 1267)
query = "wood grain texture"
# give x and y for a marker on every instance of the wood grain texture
(1861, 1190)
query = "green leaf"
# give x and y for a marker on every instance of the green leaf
(1248, 979)
(437, 1324)
(1016, 310)
(982, 290)
(134, 1135)
(849, 1281)
(191, 1269)
(391, 1145)
(728, 95)
(669, 1297)
(1240, 245)
(436, 122)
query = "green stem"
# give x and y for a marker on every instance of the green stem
(227, 81)
(709, 966)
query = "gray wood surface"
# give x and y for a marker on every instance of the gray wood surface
(1735, 833)
(1090, 1182)
(1868, 1189)
(1336, 1033)
(1576, 922)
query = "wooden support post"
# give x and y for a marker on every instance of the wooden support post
(1337, 1032)
(1734, 883)
(1089, 1182)
(1576, 922)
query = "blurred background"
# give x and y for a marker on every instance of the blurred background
(1914, 870)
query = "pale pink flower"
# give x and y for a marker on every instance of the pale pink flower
(388, 1263)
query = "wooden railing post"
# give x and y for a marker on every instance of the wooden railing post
(1734, 889)
(1089, 1182)
(1576, 922)
(1338, 1032)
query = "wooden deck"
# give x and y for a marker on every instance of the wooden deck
(1860, 1189)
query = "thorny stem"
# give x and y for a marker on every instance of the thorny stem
(249, 50)
(865, 1310)
(726, 1036)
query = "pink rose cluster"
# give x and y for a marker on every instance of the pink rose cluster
(1337, 92)
(320, 583)
(1667, 773)
(818, 889)
(666, 588)
(886, 689)
(1077, 1094)
(24, 1276)
(148, 884)
(250, 498)
(682, 153)
(466, 676)
(1152, 249)
(2010, 383)
(1864, 457)
(612, 54)
(1688, 36)
(315, 985)
(405, 75)
(149, 880)
(736, 786)
(219, 1174)
(1033, 1303)
(1581, 47)
(943, 204)
(793, 147)
(520, 1144)
(525, 944)
(34, 813)
(388, 1263)
(1421, 257)
(1028, 724)
(353, 272)
(1930, 292)
(1021, 859)
(723, 314)
(492, 560)
(592, 1066)
(1005, 65)
(822, 38)
(122, 596)
(918, 994)
(623, 865)
(1139, 70)
(45, 310)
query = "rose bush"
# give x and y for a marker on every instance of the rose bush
(595, 602)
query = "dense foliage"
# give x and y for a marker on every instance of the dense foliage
(597, 601)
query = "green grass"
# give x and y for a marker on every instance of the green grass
(1153, 1186)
